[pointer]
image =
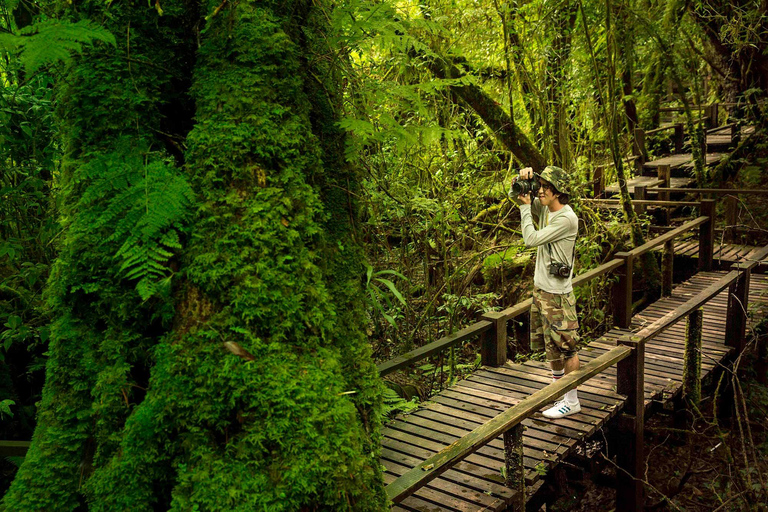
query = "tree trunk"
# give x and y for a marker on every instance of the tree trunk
(492, 115)
(251, 386)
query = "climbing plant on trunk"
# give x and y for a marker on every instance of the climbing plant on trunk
(217, 359)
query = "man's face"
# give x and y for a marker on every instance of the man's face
(546, 196)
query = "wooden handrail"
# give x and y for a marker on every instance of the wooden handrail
(645, 202)
(722, 128)
(596, 272)
(660, 240)
(717, 191)
(682, 109)
(663, 128)
(417, 477)
(13, 448)
(420, 353)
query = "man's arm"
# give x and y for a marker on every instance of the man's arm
(560, 228)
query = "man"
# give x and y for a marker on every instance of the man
(554, 324)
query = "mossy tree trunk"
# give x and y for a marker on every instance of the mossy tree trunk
(248, 384)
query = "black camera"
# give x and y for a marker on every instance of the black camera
(521, 187)
(558, 269)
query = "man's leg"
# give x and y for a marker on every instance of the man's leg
(541, 333)
(571, 365)
(560, 327)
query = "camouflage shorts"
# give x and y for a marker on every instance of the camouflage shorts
(554, 325)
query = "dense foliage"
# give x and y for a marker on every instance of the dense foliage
(216, 215)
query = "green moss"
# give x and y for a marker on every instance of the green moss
(269, 264)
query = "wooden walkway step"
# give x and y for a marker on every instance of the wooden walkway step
(476, 483)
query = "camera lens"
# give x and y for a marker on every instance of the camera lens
(521, 187)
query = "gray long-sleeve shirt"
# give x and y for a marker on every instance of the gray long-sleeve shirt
(559, 230)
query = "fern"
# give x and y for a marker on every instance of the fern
(51, 41)
(147, 204)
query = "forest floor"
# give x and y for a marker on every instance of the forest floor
(694, 465)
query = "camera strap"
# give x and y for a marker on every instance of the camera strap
(573, 258)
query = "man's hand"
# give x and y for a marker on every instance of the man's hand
(526, 173)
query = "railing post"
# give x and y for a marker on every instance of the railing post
(622, 291)
(731, 215)
(640, 195)
(521, 325)
(514, 465)
(711, 113)
(679, 138)
(493, 350)
(638, 145)
(667, 268)
(599, 181)
(630, 456)
(736, 316)
(707, 235)
(665, 174)
(692, 358)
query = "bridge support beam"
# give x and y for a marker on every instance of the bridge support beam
(493, 349)
(736, 317)
(630, 457)
(515, 466)
(622, 291)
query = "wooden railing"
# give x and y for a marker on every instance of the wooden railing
(491, 328)
(629, 355)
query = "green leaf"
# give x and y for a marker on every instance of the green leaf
(368, 273)
(389, 284)
(5, 407)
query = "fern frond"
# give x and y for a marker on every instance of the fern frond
(142, 206)
(50, 41)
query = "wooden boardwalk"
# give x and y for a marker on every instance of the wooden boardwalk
(476, 483)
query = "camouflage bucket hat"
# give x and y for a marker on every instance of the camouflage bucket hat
(557, 177)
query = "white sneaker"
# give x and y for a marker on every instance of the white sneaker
(561, 409)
